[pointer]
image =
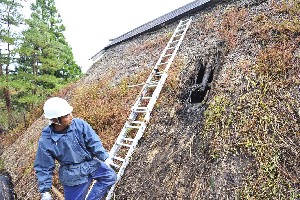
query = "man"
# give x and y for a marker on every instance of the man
(79, 151)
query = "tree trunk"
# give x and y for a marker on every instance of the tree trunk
(6, 91)
(7, 99)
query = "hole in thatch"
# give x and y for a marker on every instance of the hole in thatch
(202, 83)
(200, 73)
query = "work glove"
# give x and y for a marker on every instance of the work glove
(46, 196)
(109, 162)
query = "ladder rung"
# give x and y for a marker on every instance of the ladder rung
(179, 30)
(125, 145)
(130, 86)
(171, 48)
(153, 82)
(184, 21)
(175, 41)
(115, 165)
(164, 63)
(182, 24)
(180, 34)
(154, 85)
(129, 139)
(146, 97)
(140, 109)
(119, 159)
(159, 74)
(133, 126)
(136, 122)
(167, 55)
(172, 45)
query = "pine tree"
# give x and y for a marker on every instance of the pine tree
(34, 64)
(46, 59)
(10, 19)
(44, 45)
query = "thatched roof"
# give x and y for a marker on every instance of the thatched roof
(242, 141)
(157, 23)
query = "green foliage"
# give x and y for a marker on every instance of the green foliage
(10, 19)
(44, 49)
(43, 60)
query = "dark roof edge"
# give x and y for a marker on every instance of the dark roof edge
(158, 22)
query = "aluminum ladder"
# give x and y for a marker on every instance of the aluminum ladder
(135, 126)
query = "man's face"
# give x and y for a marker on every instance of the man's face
(65, 120)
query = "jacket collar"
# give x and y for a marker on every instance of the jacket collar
(55, 136)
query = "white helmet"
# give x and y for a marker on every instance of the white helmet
(56, 107)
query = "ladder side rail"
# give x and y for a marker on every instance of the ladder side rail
(178, 28)
(167, 46)
(159, 87)
(140, 95)
(131, 149)
(122, 135)
(155, 96)
(178, 44)
(150, 105)
(143, 91)
(165, 75)
(126, 162)
(163, 54)
(116, 147)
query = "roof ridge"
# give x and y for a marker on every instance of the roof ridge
(154, 24)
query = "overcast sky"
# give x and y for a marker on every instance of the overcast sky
(91, 23)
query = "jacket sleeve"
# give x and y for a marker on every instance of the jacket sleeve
(44, 165)
(93, 142)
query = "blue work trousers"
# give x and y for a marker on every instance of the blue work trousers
(105, 177)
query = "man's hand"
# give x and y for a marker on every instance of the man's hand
(109, 162)
(46, 196)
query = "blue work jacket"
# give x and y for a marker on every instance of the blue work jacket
(78, 150)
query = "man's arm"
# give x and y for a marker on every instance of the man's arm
(44, 165)
(94, 143)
